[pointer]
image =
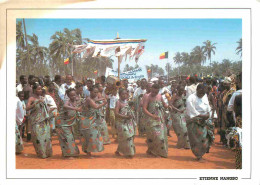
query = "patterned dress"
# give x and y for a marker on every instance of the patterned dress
(179, 124)
(125, 130)
(65, 122)
(41, 137)
(200, 134)
(156, 131)
(91, 124)
(18, 140)
(103, 124)
(139, 115)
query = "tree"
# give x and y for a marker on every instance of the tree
(177, 58)
(239, 47)
(198, 56)
(20, 42)
(58, 51)
(155, 70)
(209, 48)
(185, 58)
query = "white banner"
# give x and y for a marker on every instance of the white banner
(133, 75)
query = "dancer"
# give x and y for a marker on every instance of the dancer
(92, 122)
(39, 119)
(99, 100)
(156, 131)
(125, 125)
(65, 122)
(178, 117)
(198, 122)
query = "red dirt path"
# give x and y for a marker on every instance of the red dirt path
(219, 158)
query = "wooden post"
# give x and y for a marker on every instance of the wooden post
(118, 67)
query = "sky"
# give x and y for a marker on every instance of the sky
(172, 35)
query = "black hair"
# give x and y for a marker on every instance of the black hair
(200, 86)
(179, 87)
(121, 90)
(19, 93)
(40, 80)
(156, 86)
(192, 80)
(78, 85)
(22, 77)
(89, 80)
(31, 77)
(238, 105)
(69, 90)
(57, 77)
(92, 88)
(35, 85)
(103, 79)
(214, 82)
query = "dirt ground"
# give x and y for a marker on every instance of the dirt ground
(219, 157)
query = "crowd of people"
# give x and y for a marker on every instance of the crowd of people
(195, 108)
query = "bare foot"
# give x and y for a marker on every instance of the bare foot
(89, 155)
(130, 156)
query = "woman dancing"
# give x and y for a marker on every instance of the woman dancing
(39, 119)
(125, 125)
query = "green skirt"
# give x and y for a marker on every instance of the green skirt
(201, 135)
(41, 139)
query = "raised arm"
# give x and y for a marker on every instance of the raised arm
(67, 106)
(92, 104)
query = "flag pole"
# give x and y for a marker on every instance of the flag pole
(168, 68)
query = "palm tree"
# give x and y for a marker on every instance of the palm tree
(58, 50)
(209, 48)
(39, 54)
(20, 42)
(177, 58)
(185, 58)
(198, 56)
(239, 47)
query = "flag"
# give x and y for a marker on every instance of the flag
(67, 61)
(164, 55)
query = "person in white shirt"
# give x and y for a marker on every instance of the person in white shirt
(23, 82)
(142, 89)
(135, 86)
(20, 113)
(69, 84)
(113, 98)
(199, 124)
(192, 87)
(51, 107)
(89, 84)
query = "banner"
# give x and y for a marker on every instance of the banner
(133, 75)
(131, 48)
